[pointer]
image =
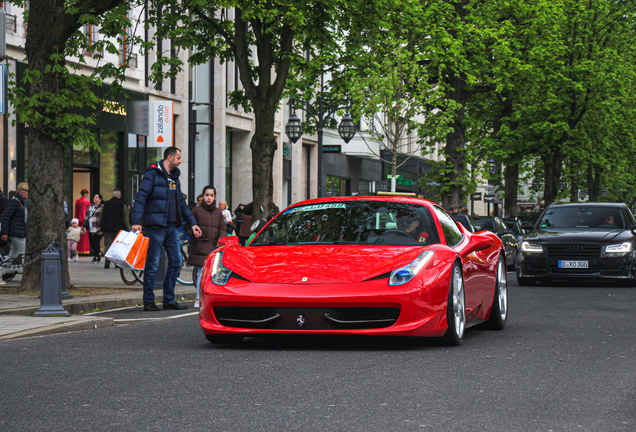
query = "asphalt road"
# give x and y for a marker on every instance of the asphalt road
(565, 362)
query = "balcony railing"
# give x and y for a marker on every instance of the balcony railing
(11, 23)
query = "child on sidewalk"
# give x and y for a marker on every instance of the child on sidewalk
(72, 237)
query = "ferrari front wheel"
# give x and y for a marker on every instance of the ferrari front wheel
(456, 309)
(499, 312)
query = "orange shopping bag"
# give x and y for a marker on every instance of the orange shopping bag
(141, 255)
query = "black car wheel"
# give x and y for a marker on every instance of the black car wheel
(525, 281)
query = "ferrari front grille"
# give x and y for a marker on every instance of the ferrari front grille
(310, 318)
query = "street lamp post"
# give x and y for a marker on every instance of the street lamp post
(319, 112)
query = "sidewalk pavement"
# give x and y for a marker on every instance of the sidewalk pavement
(16, 310)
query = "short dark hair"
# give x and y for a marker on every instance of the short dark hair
(208, 187)
(170, 151)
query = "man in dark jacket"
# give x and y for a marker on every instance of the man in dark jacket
(114, 218)
(161, 209)
(14, 226)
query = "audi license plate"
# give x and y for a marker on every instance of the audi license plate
(573, 264)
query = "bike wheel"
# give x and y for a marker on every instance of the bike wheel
(196, 270)
(139, 275)
(185, 274)
(128, 276)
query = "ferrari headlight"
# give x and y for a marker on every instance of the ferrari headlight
(404, 274)
(619, 248)
(220, 273)
(527, 246)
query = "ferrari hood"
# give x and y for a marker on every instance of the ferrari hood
(316, 264)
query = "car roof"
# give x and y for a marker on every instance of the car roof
(403, 199)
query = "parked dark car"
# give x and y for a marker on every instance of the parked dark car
(527, 219)
(496, 225)
(514, 225)
(466, 220)
(579, 241)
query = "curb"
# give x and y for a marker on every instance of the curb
(81, 324)
(79, 307)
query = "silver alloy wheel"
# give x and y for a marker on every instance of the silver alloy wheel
(502, 289)
(459, 307)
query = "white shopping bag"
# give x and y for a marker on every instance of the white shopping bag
(126, 249)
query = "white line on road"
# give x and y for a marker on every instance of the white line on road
(154, 319)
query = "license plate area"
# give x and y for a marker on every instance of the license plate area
(574, 264)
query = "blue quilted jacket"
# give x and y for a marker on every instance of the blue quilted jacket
(13, 222)
(151, 203)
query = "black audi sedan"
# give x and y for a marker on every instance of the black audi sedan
(579, 241)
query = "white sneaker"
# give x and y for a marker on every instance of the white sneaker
(70, 259)
(75, 258)
(196, 303)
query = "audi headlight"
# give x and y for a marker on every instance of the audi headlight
(527, 246)
(404, 274)
(619, 248)
(220, 273)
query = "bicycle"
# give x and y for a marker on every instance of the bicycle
(187, 273)
(131, 277)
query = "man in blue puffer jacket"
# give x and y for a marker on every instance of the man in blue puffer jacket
(160, 207)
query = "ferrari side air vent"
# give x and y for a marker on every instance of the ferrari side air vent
(238, 276)
(382, 276)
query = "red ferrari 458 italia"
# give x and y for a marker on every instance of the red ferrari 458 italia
(396, 266)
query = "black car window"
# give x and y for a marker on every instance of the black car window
(465, 220)
(514, 227)
(583, 216)
(351, 222)
(486, 224)
(451, 231)
(501, 227)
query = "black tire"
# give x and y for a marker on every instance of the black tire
(455, 309)
(128, 276)
(499, 312)
(139, 275)
(185, 273)
(224, 339)
(525, 281)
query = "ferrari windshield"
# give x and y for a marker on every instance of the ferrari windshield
(583, 217)
(351, 222)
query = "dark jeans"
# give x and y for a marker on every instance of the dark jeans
(95, 239)
(161, 238)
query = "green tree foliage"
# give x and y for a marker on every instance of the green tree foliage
(58, 102)
(267, 40)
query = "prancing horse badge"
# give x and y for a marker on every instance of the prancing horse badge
(300, 320)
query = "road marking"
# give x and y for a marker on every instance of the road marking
(154, 319)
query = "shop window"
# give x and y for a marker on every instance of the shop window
(337, 186)
(108, 161)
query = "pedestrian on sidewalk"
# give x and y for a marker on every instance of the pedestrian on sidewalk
(212, 224)
(81, 205)
(91, 224)
(73, 234)
(160, 207)
(113, 218)
(14, 227)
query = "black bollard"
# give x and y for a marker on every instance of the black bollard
(51, 283)
(65, 294)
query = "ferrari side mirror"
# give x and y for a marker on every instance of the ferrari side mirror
(229, 240)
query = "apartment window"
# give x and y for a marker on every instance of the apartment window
(125, 44)
(338, 186)
(91, 38)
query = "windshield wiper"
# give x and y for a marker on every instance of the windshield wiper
(272, 243)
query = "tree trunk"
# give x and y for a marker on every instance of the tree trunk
(574, 188)
(552, 163)
(455, 144)
(263, 147)
(511, 178)
(393, 170)
(593, 181)
(45, 220)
